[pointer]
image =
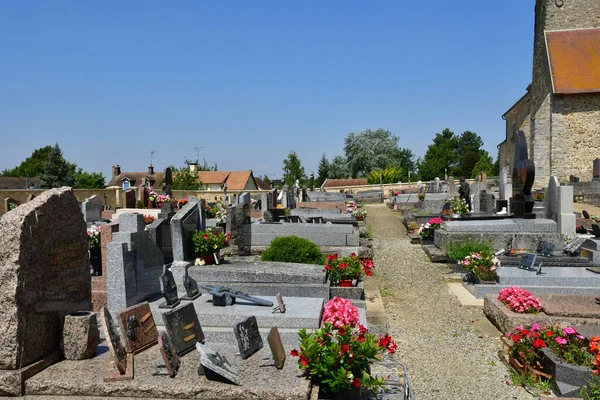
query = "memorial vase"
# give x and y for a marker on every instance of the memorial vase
(212, 258)
(95, 261)
(345, 283)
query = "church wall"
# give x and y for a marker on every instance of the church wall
(575, 135)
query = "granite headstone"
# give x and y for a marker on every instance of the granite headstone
(248, 337)
(139, 327)
(183, 328)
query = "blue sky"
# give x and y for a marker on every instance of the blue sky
(250, 81)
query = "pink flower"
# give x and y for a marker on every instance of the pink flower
(569, 330)
(561, 340)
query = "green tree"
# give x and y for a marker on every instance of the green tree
(369, 150)
(57, 171)
(322, 171)
(293, 169)
(266, 180)
(469, 152)
(338, 168)
(388, 175)
(86, 180)
(442, 154)
(33, 166)
(483, 165)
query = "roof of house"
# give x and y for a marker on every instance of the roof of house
(523, 100)
(261, 184)
(343, 182)
(136, 178)
(236, 180)
(10, 182)
(574, 57)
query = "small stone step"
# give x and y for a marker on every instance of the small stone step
(435, 253)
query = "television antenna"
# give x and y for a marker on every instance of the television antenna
(198, 148)
(152, 155)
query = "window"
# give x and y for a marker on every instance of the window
(126, 184)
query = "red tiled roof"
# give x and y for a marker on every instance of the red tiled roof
(236, 180)
(574, 58)
(10, 182)
(261, 184)
(343, 182)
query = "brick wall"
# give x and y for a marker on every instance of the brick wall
(80, 194)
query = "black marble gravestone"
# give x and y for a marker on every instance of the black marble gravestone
(596, 231)
(168, 288)
(248, 337)
(167, 182)
(191, 286)
(170, 362)
(183, 328)
(523, 177)
(528, 262)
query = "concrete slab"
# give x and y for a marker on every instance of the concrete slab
(301, 312)
(465, 297)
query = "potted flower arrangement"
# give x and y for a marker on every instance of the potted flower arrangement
(347, 271)
(519, 300)
(93, 234)
(338, 356)
(427, 230)
(481, 266)
(360, 214)
(458, 206)
(208, 243)
(421, 196)
(552, 349)
(538, 196)
(148, 219)
(152, 197)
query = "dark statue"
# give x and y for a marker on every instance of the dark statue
(169, 288)
(167, 182)
(464, 192)
(191, 286)
(523, 177)
(224, 296)
(131, 325)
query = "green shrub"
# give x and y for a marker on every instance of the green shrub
(139, 204)
(458, 251)
(366, 233)
(294, 250)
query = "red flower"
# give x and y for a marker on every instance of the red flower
(549, 333)
(343, 265)
(362, 329)
(345, 348)
(303, 360)
(361, 338)
(539, 343)
(525, 332)
(516, 338)
(327, 267)
(356, 382)
(294, 353)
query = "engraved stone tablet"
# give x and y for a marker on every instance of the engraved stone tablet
(168, 289)
(276, 347)
(211, 361)
(169, 355)
(528, 262)
(183, 328)
(574, 247)
(114, 342)
(191, 286)
(137, 323)
(546, 248)
(248, 337)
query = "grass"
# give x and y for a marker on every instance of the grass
(458, 251)
(366, 233)
(591, 391)
(384, 291)
(528, 381)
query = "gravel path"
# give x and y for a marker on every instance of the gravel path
(446, 355)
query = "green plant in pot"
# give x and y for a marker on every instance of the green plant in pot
(339, 355)
(346, 271)
(482, 265)
(208, 243)
(458, 206)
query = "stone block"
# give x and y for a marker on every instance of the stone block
(45, 275)
(352, 293)
(131, 223)
(80, 336)
(259, 272)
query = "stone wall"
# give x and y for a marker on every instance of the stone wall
(576, 134)
(80, 194)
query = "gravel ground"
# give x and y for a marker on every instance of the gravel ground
(446, 355)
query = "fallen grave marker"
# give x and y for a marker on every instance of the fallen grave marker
(183, 328)
(248, 337)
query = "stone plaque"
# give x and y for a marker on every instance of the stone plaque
(574, 247)
(528, 261)
(114, 342)
(191, 286)
(276, 347)
(169, 354)
(545, 248)
(248, 337)
(138, 327)
(183, 328)
(596, 231)
(211, 361)
(168, 289)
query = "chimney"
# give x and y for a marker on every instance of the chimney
(150, 170)
(193, 167)
(116, 170)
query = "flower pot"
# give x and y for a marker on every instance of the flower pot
(345, 283)
(80, 336)
(360, 218)
(352, 394)
(574, 375)
(212, 258)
